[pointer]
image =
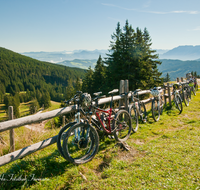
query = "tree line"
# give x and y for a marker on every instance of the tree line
(23, 79)
(130, 57)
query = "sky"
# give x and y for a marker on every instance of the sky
(67, 25)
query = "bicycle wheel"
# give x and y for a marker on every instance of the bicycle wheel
(188, 92)
(186, 98)
(178, 103)
(161, 104)
(196, 87)
(134, 117)
(143, 113)
(61, 134)
(122, 125)
(80, 143)
(193, 91)
(155, 109)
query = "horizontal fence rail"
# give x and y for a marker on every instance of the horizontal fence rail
(11, 124)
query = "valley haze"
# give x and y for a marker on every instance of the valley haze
(177, 61)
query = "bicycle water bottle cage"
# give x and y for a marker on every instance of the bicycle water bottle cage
(113, 91)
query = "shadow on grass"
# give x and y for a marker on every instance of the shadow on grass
(28, 172)
(171, 110)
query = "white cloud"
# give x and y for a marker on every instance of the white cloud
(153, 12)
(147, 4)
(196, 29)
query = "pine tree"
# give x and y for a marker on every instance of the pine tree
(99, 76)
(78, 84)
(87, 85)
(132, 58)
(167, 78)
(34, 106)
(69, 90)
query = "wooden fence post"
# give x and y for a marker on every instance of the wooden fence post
(181, 79)
(169, 94)
(121, 91)
(63, 120)
(177, 79)
(12, 134)
(164, 95)
(126, 90)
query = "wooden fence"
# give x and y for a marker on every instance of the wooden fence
(11, 124)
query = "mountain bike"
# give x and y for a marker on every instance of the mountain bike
(191, 84)
(177, 98)
(196, 84)
(76, 148)
(137, 109)
(157, 103)
(188, 91)
(184, 95)
(78, 141)
(113, 124)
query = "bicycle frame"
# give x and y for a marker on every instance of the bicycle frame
(98, 111)
(136, 103)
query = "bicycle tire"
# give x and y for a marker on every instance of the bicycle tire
(161, 105)
(61, 135)
(186, 98)
(143, 113)
(193, 91)
(155, 109)
(197, 88)
(122, 125)
(83, 150)
(134, 117)
(178, 103)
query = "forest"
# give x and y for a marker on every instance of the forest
(23, 79)
(130, 57)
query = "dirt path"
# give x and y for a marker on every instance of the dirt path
(37, 126)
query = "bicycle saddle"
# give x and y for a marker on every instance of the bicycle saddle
(157, 88)
(137, 90)
(113, 91)
(97, 93)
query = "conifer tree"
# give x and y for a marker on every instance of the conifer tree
(87, 85)
(99, 76)
(69, 90)
(132, 58)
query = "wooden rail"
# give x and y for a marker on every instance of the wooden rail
(11, 124)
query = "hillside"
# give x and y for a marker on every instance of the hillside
(178, 68)
(21, 73)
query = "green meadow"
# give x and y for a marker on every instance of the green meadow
(162, 155)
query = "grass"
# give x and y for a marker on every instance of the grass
(162, 155)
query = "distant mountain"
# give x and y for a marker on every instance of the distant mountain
(61, 56)
(178, 68)
(161, 51)
(80, 63)
(182, 53)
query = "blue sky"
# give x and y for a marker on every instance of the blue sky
(57, 25)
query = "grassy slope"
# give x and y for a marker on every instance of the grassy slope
(163, 155)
